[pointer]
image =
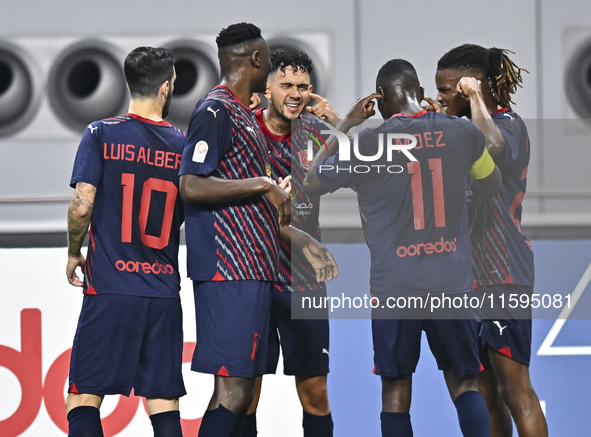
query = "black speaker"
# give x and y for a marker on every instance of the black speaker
(196, 73)
(577, 80)
(86, 83)
(19, 89)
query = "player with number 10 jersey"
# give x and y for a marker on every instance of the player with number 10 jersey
(134, 233)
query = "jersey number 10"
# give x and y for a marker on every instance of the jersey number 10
(416, 185)
(152, 184)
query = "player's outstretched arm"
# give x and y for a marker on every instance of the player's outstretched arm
(315, 252)
(209, 189)
(79, 216)
(361, 110)
(471, 89)
(324, 110)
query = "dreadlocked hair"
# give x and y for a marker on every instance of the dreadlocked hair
(503, 75)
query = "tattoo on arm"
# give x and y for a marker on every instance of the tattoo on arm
(79, 216)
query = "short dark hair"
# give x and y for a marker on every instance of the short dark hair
(397, 68)
(146, 69)
(236, 34)
(502, 74)
(289, 56)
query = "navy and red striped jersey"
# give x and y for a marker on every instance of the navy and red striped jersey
(415, 211)
(135, 229)
(501, 253)
(289, 156)
(235, 240)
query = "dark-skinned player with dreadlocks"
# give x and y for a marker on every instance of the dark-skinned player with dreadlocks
(478, 83)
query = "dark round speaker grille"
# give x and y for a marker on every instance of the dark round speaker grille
(84, 78)
(578, 81)
(186, 77)
(6, 77)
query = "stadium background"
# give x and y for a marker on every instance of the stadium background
(59, 66)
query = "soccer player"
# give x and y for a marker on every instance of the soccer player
(476, 82)
(233, 212)
(305, 343)
(129, 332)
(417, 227)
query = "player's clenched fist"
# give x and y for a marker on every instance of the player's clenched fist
(278, 195)
(324, 110)
(468, 86)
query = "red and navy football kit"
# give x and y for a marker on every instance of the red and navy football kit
(503, 261)
(232, 247)
(305, 343)
(131, 281)
(417, 231)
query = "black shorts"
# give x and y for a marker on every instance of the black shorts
(124, 342)
(304, 343)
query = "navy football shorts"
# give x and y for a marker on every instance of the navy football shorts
(397, 345)
(509, 337)
(304, 342)
(124, 342)
(232, 327)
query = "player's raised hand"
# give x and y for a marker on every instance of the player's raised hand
(255, 101)
(362, 109)
(279, 197)
(73, 263)
(467, 86)
(432, 105)
(321, 261)
(324, 110)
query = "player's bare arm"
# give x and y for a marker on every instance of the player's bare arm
(361, 110)
(324, 110)
(209, 189)
(79, 216)
(471, 89)
(315, 252)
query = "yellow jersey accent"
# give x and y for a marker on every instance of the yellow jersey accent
(483, 166)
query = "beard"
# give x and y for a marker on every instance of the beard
(166, 107)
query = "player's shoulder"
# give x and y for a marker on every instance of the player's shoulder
(212, 109)
(506, 114)
(315, 123)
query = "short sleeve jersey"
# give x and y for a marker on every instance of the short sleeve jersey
(501, 253)
(235, 240)
(289, 156)
(135, 228)
(415, 211)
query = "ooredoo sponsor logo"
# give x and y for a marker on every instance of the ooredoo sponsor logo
(145, 267)
(427, 248)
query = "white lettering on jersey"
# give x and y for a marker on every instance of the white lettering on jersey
(215, 113)
(200, 152)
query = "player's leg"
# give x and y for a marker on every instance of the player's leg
(454, 344)
(519, 395)
(305, 346)
(250, 421)
(158, 376)
(397, 345)
(232, 330)
(84, 419)
(500, 417)
(103, 361)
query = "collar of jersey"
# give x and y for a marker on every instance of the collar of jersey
(147, 120)
(417, 115)
(234, 95)
(265, 129)
(501, 110)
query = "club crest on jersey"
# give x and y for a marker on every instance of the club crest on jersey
(200, 152)
(268, 169)
(304, 159)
